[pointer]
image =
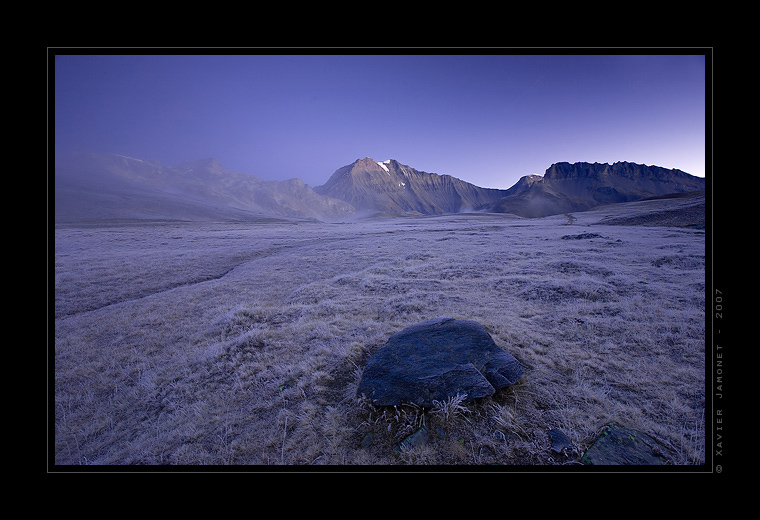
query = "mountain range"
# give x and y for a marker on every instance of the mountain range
(96, 186)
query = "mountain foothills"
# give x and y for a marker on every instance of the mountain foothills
(93, 186)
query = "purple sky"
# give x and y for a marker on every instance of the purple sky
(487, 119)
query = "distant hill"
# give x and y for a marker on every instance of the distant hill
(96, 186)
(392, 187)
(580, 186)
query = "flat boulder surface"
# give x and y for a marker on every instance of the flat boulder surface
(618, 445)
(436, 360)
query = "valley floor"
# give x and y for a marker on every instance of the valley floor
(243, 344)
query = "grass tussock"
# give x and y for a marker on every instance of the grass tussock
(244, 345)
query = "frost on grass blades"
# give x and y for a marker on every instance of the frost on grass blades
(244, 343)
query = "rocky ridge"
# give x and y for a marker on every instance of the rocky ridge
(581, 186)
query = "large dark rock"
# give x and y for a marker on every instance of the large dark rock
(436, 360)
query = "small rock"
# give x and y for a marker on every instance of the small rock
(559, 440)
(485, 453)
(367, 440)
(618, 445)
(582, 236)
(415, 440)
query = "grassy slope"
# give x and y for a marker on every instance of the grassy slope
(232, 344)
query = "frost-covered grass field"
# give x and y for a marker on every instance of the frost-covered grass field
(243, 344)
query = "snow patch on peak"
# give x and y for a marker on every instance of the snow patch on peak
(130, 158)
(383, 165)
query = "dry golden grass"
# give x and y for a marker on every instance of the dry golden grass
(215, 344)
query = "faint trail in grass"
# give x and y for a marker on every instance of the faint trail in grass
(240, 261)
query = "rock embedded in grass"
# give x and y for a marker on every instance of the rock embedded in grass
(618, 445)
(560, 441)
(582, 236)
(436, 360)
